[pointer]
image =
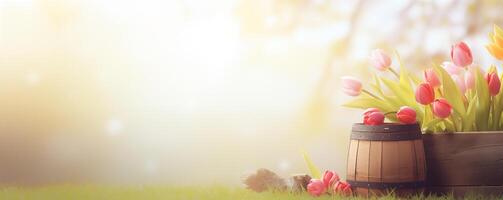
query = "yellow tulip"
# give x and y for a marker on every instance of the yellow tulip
(496, 45)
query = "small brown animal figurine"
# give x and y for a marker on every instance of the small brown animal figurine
(264, 180)
(300, 182)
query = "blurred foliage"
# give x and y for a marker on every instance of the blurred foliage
(422, 31)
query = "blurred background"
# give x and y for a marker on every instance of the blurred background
(194, 92)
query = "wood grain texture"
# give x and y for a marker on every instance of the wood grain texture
(352, 154)
(375, 169)
(390, 163)
(406, 162)
(375, 165)
(464, 159)
(362, 166)
(420, 159)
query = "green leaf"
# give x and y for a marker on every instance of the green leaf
(501, 121)
(405, 82)
(441, 126)
(428, 127)
(451, 91)
(368, 102)
(449, 126)
(392, 117)
(314, 171)
(377, 85)
(498, 108)
(397, 90)
(427, 117)
(470, 115)
(404, 96)
(415, 80)
(482, 103)
(393, 87)
(393, 103)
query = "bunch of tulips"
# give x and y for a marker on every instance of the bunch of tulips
(330, 183)
(456, 95)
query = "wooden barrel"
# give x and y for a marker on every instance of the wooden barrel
(388, 157)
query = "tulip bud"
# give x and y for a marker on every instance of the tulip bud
(351, 86)
(493, 82)
(442, 108)
(451, 68)
(376, 118)
(406, 115)
(461, 55)
(425, 94)
(460, 82)
(431, 77)
(469, 80)
(380, 60)
(370, 110)
(373, 116)
(330, 178)
(343, 188)
(316, 187)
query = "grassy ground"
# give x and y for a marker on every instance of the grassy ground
(157, 192)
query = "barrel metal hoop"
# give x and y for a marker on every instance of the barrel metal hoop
(383, 185)
(386, 136)
(385, 128)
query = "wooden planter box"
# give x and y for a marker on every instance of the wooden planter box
(462, 163)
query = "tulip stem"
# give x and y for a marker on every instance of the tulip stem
(453, 120)
(390, 113)
(369, 93)
(495, 118)
(394, 72)
(428, 111)
(449, 125)
(439, 92)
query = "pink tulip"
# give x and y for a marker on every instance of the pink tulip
(431, 77)
(316, 187)
(373, 116)
(425, 94)
(460, 81)
(406, 115)
(469, 80)
(451, 68)
(461, 54)
(343, 188)
(442, 108)
(493, 82)
(351, 86)
(380, 60)
(330, 178)
(367, 112)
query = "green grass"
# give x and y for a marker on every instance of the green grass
(158, 192)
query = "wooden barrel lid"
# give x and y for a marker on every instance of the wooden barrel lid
(386, 132)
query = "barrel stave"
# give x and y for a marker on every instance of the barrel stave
(406, 161)
(420, 159)
(362, 165)
(390, 165)
(375, 167)
(352, 155)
